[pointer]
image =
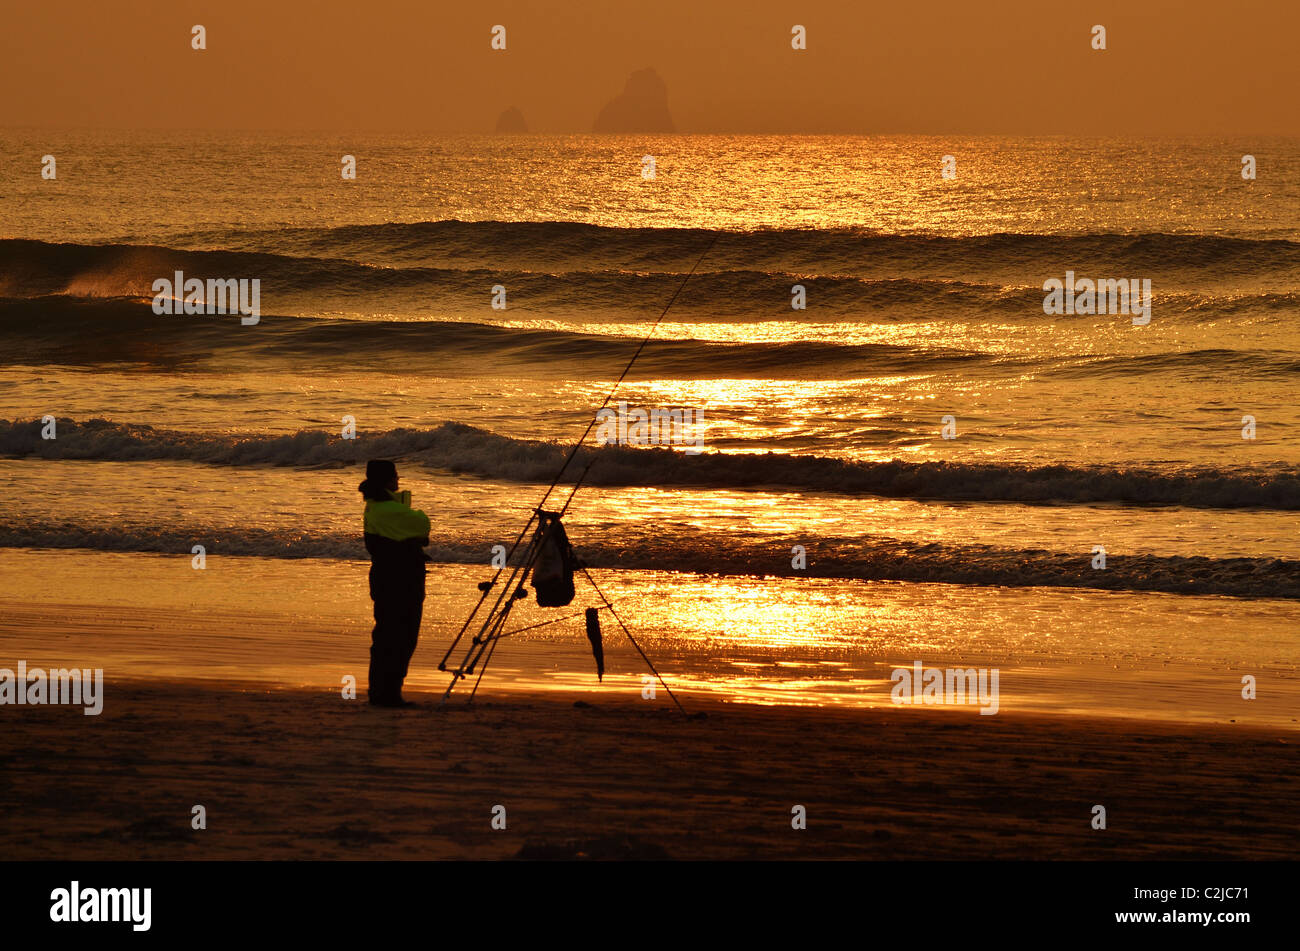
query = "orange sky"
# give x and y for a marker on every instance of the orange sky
(943, 66)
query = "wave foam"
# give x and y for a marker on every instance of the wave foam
(468, 449)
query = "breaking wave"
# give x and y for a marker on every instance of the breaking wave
(462, 448)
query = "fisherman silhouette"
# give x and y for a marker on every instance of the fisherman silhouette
(395, 535)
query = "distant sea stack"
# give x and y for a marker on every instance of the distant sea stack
(512, 120)
(642, 106)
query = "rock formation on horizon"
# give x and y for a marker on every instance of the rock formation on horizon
(642, 106)
(512, 120)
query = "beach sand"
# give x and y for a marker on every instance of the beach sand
(222, 689)
(305, 774)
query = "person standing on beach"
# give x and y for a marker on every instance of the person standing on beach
(395, 536)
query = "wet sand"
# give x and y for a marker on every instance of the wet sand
(306, 774)
(305, 623)
(222, 690)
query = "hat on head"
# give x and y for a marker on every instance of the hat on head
(380, 470)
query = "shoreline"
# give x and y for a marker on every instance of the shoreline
(794, 643)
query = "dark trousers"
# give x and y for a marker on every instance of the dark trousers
(397, 629)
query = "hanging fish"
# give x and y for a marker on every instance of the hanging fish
(597, 648)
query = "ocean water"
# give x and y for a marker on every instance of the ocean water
(821, 427)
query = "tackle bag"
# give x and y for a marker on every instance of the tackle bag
(555, 563)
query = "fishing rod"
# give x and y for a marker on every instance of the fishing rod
(490, 631)
(486, 586)
(498, 620)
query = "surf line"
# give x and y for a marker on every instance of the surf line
(483, 644)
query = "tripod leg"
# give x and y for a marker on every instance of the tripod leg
(482, 670)
(442, 665)
(495, 619)
(632, 639)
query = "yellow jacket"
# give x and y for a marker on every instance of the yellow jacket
(395, 519)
